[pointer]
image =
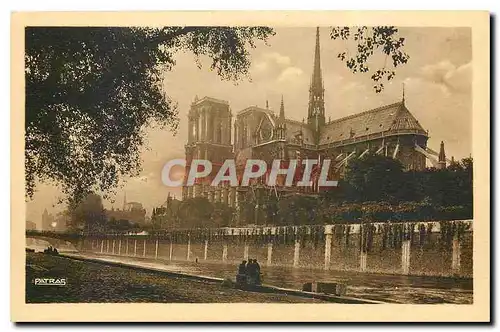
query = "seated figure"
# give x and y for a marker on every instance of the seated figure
(241, 277)
(253, 272)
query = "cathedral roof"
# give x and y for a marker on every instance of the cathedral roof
(393, 117)
(296, 130)
(209, 99)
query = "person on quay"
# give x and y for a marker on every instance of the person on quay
(242, 268)
(252, 272)
(257, 271)
(249, 270)
(241, 277)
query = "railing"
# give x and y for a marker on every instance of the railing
(373, 136)
(262, 229)
(364, 138)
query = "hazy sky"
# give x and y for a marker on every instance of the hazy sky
(437, 88)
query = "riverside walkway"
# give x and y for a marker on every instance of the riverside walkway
(376, 287)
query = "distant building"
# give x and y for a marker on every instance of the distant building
(132, 211)
(48, 221)
(166, 215)
(57, 223)
(30, 225)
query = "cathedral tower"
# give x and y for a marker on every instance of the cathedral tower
(316, 110)
(209, 138)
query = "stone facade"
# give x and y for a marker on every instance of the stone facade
(259, 133)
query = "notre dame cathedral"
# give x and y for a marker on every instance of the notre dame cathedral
(259, 133)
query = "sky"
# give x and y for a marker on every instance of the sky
(437, 81)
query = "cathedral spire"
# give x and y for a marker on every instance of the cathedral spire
(403, 92)
(282, 109)
(442, 156)
(317, 81)
(316, 109)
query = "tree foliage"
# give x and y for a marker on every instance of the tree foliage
(91, 92)
(200, 212)
(222, 215)
(374, 177)
(294, 209)
(370, 40)
(195, 211)
(88, 214)
(121, 225)
(376, 188)
(379, 178)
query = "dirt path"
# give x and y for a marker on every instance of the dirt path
(99, 283)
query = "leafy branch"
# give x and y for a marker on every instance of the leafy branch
(92, 91)
(371, 40)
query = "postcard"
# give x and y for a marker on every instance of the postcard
(250, 166)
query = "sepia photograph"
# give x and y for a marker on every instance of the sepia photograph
(332, 163)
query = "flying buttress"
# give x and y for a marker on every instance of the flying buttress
(363, 153)
(436, 154)
(344, 161)
(396, 150)
(427, 154)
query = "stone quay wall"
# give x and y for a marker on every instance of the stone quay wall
(437, 248)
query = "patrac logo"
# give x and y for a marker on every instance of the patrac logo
(300, 173)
